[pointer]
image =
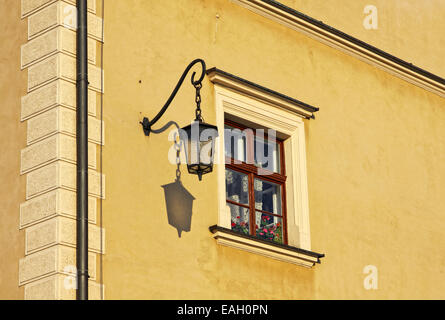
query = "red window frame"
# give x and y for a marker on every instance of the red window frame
(252, 172)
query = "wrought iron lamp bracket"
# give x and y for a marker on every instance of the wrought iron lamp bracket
(147, 124)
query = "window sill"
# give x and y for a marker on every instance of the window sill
(276, 251)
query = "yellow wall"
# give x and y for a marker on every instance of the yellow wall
(375, 162)
(12, 140)
(409, 29)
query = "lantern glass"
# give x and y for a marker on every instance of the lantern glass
(199, 145)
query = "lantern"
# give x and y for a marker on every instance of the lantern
(199, 144)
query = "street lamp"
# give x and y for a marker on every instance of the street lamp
(199, 137)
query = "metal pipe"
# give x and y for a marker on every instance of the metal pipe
(82, 151)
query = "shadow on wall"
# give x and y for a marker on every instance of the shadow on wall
(178, 200)
(179, 204)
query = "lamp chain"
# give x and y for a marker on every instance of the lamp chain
(198, 87)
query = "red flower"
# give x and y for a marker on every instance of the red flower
(262, 234)
(238, 217)
(233, 224)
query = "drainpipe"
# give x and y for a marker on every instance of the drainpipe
(82, 151)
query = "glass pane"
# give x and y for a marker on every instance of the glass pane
(234, 143)
(206, 148)
(267, 196)
(268, 227)
(237, 187)
(240, 218)
(207, 136)
(267, 154)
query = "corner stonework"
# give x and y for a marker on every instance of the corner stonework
(48, 214)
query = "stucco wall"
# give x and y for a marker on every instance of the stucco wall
(409, 29)
(375, 158)
(12, 140)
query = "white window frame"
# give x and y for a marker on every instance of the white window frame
(234, 98)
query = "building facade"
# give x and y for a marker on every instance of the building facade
(329, 164)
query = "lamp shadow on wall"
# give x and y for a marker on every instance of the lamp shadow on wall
(179, 204)
(178, 200)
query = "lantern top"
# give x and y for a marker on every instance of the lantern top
(202, 126)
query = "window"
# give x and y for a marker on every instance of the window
(255, 182)
(261, 176)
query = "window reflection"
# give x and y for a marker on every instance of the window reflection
(267, 196)
(237, 187)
